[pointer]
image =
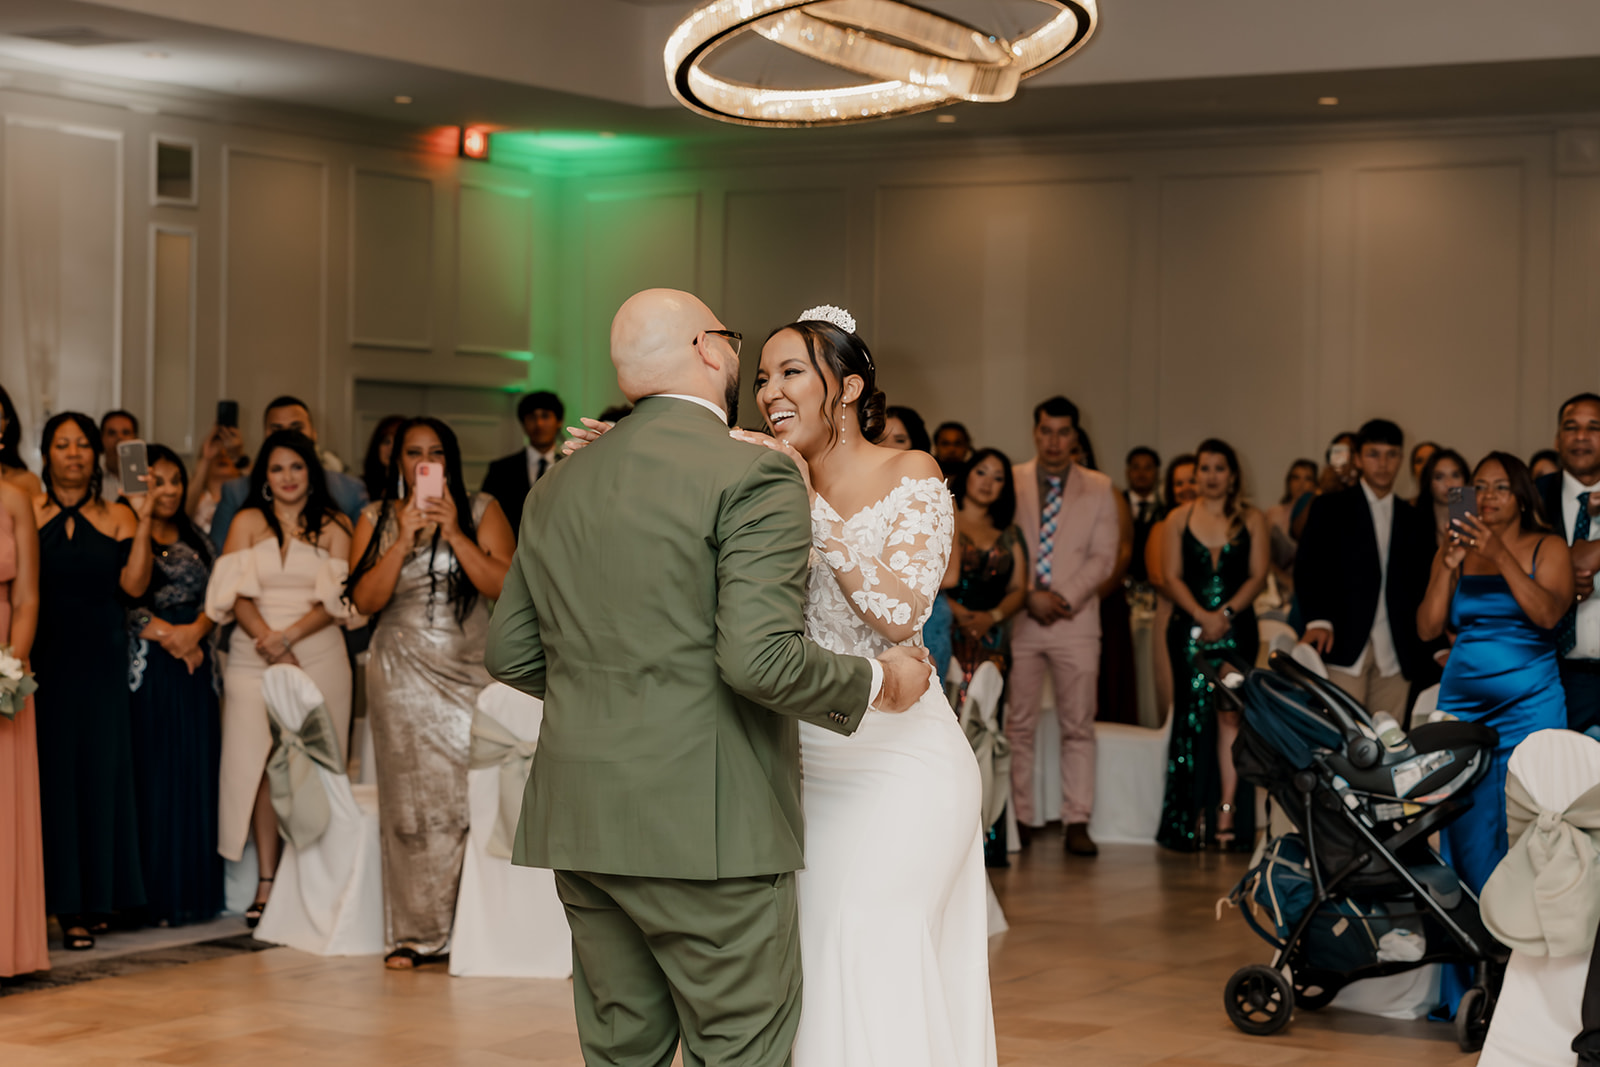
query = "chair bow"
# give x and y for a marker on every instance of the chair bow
(298, 794)
(989, 743)
(495, 746)
(1544, 897)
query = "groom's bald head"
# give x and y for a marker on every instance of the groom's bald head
(653, 343)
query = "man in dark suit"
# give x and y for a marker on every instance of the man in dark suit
(287, 413)
(510, 477)
(1360, 574)
(1144, 504)
(1570, 509)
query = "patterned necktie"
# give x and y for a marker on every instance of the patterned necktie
(1567, 628)
(1047, 529)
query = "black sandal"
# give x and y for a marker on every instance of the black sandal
(76, 942)
(252, 914)
(413, 958)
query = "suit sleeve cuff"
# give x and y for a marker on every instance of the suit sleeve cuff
(1320, 624)
(877, 682)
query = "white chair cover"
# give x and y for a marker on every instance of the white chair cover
(1310, 659)
(1540, 1007)
(509, 921)
(327, 899)
(1427, 703)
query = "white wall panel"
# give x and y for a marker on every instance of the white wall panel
(494, 263)
(783, 252)
(391, 257)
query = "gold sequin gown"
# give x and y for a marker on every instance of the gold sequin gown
(423, 680)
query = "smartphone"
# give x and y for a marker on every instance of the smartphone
(132, 466)
(1463, 501)
(430, 481)
(1339, 456)
(228, 413)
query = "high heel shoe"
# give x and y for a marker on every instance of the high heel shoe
(252, 914)
(1224, 837)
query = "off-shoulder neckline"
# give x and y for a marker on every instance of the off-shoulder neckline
(906, 482)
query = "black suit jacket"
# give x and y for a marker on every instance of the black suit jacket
(507, 481)
(1141, 535)
(1337, 575)
(1549, 486)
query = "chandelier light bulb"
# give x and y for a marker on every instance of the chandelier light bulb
(916, 59)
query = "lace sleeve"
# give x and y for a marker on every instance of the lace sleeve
(893, 592)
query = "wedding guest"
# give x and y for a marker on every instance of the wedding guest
(510, 477)
(1545, 461)
(1419, 459)
(287, 414)
(1068, 517)
(1360, 572)
(177, 731)
(281, 578)
(24, 948)
(1214, 554)
(1083, 451)
(1142, 470)
(1570, 504)
(221, 460)
(115, 427)
(1117, 689)
(13, 468)
(380, 446)
(91, 554)
(952, 447)
(904, 429)
(430, 566)
(1444, 471)
(1180, 489)
(1501, 583)
(1340, 470)
(1299, 488)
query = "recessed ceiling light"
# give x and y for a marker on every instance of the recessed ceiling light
(946, 119)
(1328, 101)
(608, 133)
(402, 99)
(157, 55)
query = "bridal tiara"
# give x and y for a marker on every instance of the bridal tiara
(834, 316)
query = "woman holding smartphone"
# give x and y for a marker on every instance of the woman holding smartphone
(426, 557)
(91, 555)
(281, 577)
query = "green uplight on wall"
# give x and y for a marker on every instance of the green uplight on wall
(539, 149)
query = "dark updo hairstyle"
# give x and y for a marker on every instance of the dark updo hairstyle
(844, 354)
(319, 506)
(372, 468)
(459, 590)
(11, 439)
(1517, 474)
(1004, 508)
(916, 429)
(92, 432)
(188, 533)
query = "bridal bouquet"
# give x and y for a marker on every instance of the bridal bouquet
(16, 684)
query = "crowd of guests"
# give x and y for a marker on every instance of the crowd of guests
(148, 614)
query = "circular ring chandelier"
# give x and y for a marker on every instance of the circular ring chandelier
(918, 59)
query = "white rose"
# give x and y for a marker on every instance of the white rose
(10, 666)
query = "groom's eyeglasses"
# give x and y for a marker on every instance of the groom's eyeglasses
(734, 338)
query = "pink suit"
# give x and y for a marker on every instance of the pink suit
(1082, 556)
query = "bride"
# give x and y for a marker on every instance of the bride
(893, 898)
(893, 905)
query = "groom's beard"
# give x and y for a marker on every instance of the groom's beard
(730, 401)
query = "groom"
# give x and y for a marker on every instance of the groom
(655, 604)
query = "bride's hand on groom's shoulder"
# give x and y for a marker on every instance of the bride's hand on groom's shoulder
(906, 676)
(783, 447)
(591, 431)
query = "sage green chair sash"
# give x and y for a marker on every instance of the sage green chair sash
(993, 751)
(495, 746)
(298, 795)
(1544, 897)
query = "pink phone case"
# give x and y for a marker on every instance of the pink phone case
(430, 481)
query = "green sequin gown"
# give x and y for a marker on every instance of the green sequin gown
(1194, 783)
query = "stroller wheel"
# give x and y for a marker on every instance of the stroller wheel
(1472, 1019)
(1259, 1000)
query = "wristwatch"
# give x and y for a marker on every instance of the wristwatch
(1227, 612)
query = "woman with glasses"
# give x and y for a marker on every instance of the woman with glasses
(1503, 583)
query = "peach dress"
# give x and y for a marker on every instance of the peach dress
(23, 946)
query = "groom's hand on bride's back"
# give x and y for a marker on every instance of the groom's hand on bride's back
(906, 676)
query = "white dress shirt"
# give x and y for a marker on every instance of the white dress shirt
(1381, 641)
(1139, 500)
(534, 456)
(722, 417)
(1586, 625)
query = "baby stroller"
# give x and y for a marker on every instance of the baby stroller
(1358, 892)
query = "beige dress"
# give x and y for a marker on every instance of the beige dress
(284, 587)
(423, 680)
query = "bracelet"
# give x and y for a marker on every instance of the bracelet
(997, 615)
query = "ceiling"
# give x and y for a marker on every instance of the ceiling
(557, 65)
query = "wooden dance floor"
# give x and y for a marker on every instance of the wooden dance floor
(1117, 962)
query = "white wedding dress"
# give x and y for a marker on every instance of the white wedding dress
(893, 897)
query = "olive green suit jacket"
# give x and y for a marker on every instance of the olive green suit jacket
(656, 604)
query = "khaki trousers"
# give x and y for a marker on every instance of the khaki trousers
(1374, 691)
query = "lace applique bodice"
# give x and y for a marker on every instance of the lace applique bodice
(885, 563)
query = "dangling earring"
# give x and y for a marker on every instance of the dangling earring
(266, 493)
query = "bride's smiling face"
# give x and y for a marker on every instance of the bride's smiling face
(794, 397)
